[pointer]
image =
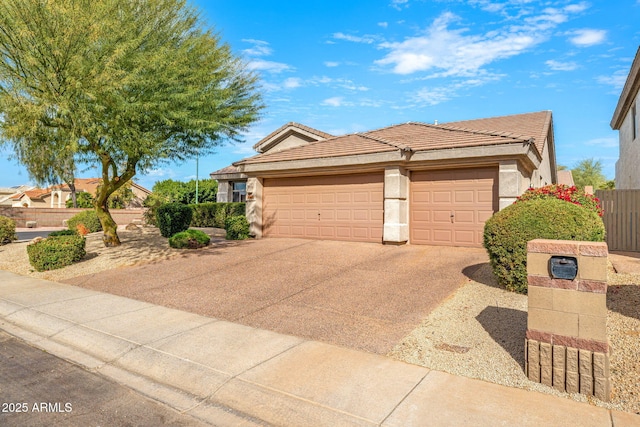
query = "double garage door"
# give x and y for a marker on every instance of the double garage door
(446, 207)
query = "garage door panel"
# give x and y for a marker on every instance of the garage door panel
(326, 207)
(470, 194)
(441, 197)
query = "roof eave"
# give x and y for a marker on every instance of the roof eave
(629, 92)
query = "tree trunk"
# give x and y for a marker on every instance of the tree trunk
(72, 187)
(109, 226)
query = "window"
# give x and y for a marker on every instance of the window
(239, 192)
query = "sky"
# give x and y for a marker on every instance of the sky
(356, 65)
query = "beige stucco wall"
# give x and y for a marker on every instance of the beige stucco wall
(289, 142)
(627, 175)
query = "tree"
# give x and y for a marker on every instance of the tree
(170, 191)
(124, 84)
(83, 200)
(589, 172)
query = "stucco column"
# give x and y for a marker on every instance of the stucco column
(510, 183)
(223, 191)
(396, 205)
(254, 206)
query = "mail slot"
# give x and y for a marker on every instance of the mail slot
(563, 267)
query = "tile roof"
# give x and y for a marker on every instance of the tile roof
(422, 137)
(225, 171)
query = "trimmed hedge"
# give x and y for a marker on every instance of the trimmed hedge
(88, 219)
(237, 227)
(172, 218)
(215, 214)
(507, 232)
(7, 230)
(564, 192)
(190, 239)
(56, 252)
(62, 233)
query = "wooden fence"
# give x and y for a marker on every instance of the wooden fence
(621, 218)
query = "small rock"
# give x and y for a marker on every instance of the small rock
(36, 240)
(132, 227)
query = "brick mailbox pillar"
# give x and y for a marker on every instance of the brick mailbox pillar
(566, 345)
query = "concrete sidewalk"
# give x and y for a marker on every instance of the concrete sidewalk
(228, 374)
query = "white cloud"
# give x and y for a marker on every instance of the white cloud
(433, 96)
(292, 83)
(161, 173)
(383, 24)
(451, 51)
(606, 142)
(399, 4)
(588, 37)
(617, 79)
(561, 66)
(367, 39)
(269, 66)
(577, 8)
(331, 64)
(336, 101)
(260, 48)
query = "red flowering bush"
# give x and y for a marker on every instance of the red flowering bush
(566, 193)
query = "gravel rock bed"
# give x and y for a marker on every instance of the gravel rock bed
(139, 246)
(479, 333)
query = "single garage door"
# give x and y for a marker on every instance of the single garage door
(340, 207)
(450, 207)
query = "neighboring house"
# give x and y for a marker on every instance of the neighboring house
(6, 193)
(232, 183)
(414, 182)
(626, 121)
(56, 196)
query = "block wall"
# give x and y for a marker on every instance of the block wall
(566, 345)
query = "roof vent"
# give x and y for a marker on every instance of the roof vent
(435, 122)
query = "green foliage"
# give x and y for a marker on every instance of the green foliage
(566, 193)
(507, 232)
(89, 219)
(190, 239)
(215, 214)
(170, 191)
(56, 252)
(122, 85)
(589, 172)
(7, 230)
(173, 218)
(84, 200)
(63, 233)
(237, 227)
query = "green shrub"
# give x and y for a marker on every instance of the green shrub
(56, 252)
(507, 232)
(566, 193)
(89, 219)
(237, 227)
(62, 233)
(172, 218)
(215, 214)
(7, 230)
(190, 239)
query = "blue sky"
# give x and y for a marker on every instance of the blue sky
(356, 65)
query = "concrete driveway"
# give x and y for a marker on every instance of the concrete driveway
(360, 295)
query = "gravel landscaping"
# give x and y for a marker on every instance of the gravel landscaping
(478, 332)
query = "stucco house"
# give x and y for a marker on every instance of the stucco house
(412, 183)
(626, 121)
(57, 195)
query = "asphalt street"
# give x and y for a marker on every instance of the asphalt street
(38, 389)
